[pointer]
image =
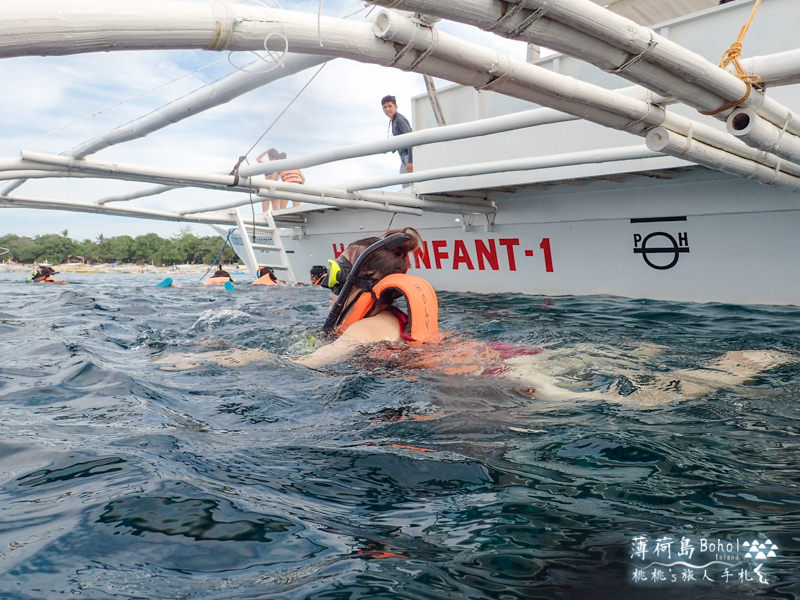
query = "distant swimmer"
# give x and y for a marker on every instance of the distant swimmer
(266, 276)
(220, 277)
(318, 274)
(44, 274)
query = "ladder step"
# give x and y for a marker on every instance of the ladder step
(264, 247)
(274, 266)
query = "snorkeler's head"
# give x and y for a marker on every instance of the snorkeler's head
(368, 261)
(382, 261)
(267, 271)
(339, 269)
(318, 274)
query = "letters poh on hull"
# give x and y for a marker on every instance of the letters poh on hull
(660, 249)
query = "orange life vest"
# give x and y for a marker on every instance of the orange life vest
(293, 176)
(216, 280)
(264, 280)
(423, 324)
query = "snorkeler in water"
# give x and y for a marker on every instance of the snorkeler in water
(368, 281)
(44, 274)
(220, 277)
(266, 276)
(318, 273)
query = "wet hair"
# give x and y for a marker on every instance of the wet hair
(222, 273)
(275, 155)
(267, 271)
(388, 98)
(385, 262)
(42, 272)
(317, 273)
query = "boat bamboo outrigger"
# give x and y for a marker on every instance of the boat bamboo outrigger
(681, 186)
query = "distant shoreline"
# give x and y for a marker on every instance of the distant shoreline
(110, 268)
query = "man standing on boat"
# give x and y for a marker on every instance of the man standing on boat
(399, 125)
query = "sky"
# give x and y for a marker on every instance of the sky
(51, 104)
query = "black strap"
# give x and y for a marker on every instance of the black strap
(235, 171)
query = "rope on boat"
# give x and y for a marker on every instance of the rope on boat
(227, 241)
(292, 101)
(277, 59)
(731, 55)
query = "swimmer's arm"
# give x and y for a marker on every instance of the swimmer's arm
(335, 352)
(380, 328)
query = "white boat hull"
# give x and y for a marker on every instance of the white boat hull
(690, 235)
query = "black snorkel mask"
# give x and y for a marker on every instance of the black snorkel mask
(352, 276)
(338, 272)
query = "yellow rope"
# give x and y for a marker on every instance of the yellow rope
(731, 55)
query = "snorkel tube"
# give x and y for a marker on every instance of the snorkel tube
(334, 316)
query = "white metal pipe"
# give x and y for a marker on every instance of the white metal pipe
(663, 140)
(383, 201)
(781, 68)
(215, 94)
(342, 38)
(135, 172)
(528, 118)
(90, 207)
(324, 201)
(391, 25)
(664, 66)
(496, 16)
(745, 124)
(274, 189)
(359, 200)
(521, 79)
(520, 164)
(723, 141)
(151, 191)
(33, 174)
(166, 24)
(590, 18)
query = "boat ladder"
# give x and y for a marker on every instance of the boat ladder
(264, 239)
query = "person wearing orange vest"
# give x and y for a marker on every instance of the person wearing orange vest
(290, 176)
(220, 277)
(266, 276)
(363, 311)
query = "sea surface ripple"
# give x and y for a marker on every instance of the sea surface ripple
(122, 480)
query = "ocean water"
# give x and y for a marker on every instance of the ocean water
(119, 479)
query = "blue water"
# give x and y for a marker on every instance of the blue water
(271, 480)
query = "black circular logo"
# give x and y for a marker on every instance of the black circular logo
(671, 251)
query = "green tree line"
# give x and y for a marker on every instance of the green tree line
(143, 249)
